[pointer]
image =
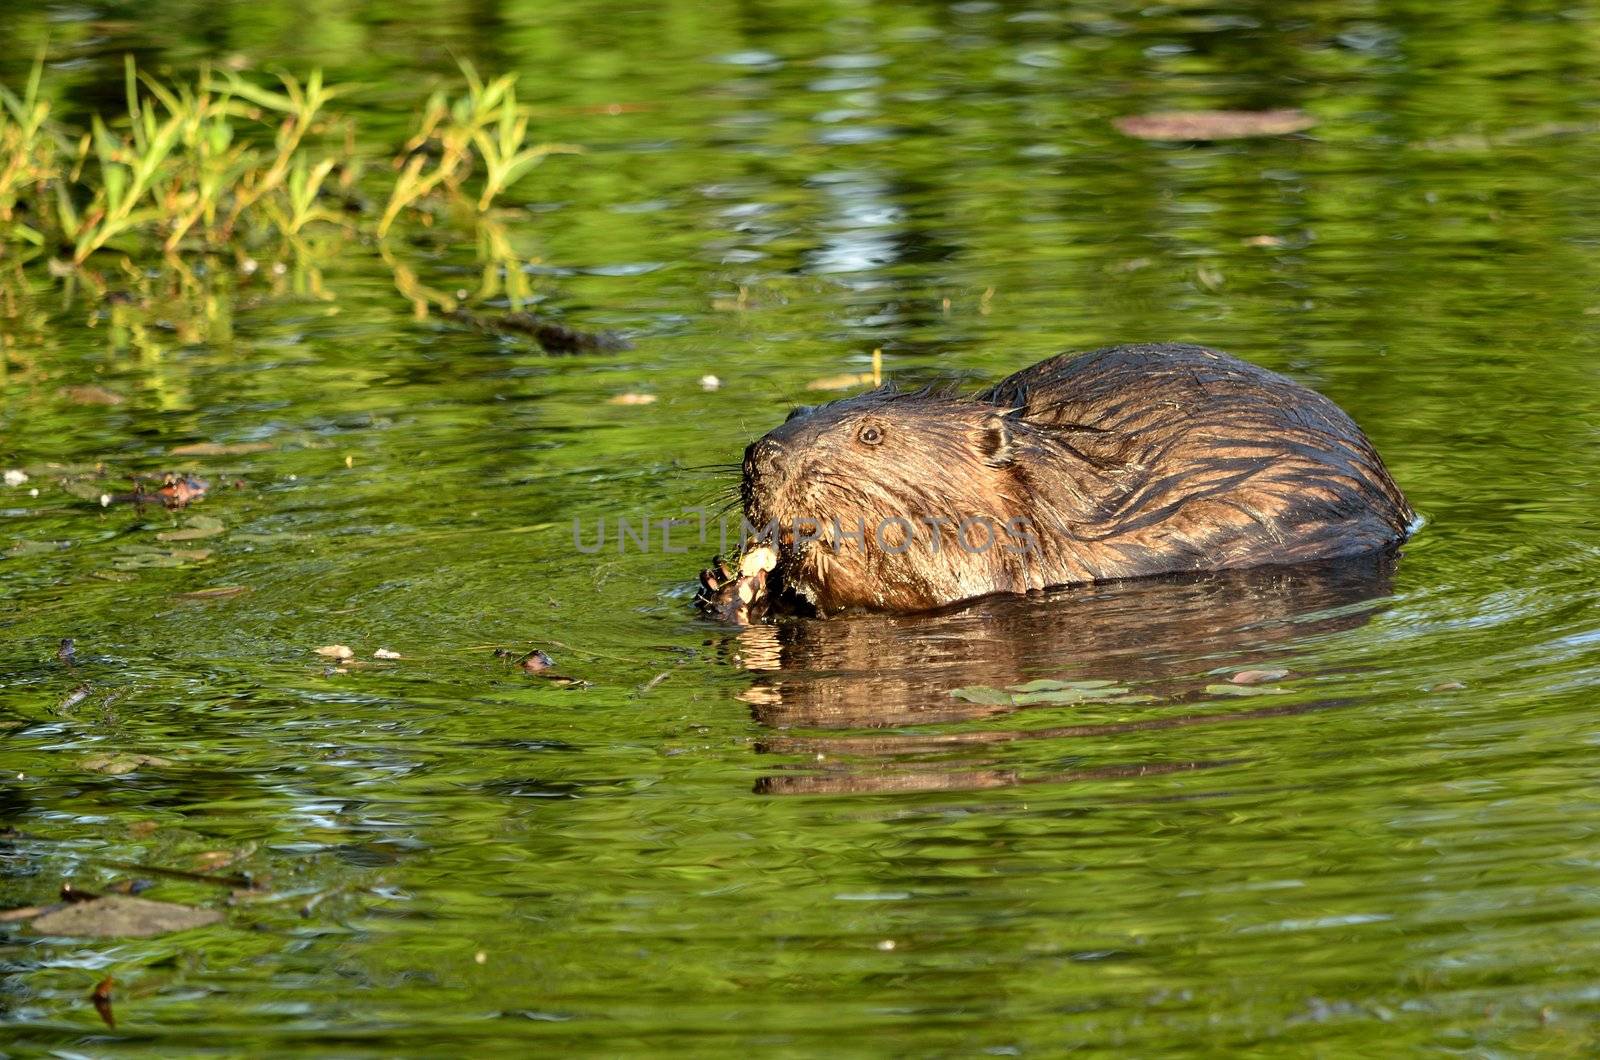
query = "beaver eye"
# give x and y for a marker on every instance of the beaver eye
(870, 435)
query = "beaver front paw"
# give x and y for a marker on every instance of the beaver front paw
(737, 591)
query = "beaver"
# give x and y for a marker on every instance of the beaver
(1122, 462)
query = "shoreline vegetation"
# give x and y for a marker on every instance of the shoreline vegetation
(220, 174)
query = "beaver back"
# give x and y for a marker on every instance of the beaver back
(1157, 458)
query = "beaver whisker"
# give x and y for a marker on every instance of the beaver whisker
(711, 468)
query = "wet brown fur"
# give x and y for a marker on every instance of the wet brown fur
(1122, 462)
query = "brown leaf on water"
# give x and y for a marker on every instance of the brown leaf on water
(199, 527)
(88, 490)
(118, 915)
(220, 448)
(536, 661)
(144, 557)
(1192, 125)
(180, 556)
(115, 765)
(562, 681)
(1482, 141)
(25, 912)
(131, 886)
(213, 859)
(217, 592)
(102, 1001)
(34, 548)
(178, 490)
(1256, 677)
(336, 651)
(91, 395)
(632, 399)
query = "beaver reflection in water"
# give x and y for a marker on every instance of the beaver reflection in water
(1120, 463)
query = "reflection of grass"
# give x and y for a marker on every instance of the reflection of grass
(221, 162)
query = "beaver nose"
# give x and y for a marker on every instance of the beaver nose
(764, 458)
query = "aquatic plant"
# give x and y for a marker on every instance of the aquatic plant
(485, 124)
(221, 161)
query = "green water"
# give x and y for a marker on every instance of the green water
(791, 839)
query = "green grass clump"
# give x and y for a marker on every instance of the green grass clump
(486, 125)
(221, 162)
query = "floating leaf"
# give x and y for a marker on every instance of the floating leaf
(632, 399)
(92, 395)
(1244, 690)
(121, 915)
(84, 490)
(198, 528)
(101, 999)
(536, 661)
(190, 555)
(34, 548)
(139, 557)
(115, 765)
(218, 592)
(1062, 693)
(1256, 677)
(982, 694)
(220, 448)
(178, 490)
(1056, 686)
(336, 651)
(22, 912)
(1056, 697)
(1180, 125)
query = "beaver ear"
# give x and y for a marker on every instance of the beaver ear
(997, 441)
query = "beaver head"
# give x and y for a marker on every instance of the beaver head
(889, 500)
